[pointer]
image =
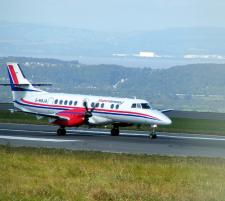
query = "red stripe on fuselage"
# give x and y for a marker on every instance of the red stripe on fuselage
(13, 74)
(96, 109)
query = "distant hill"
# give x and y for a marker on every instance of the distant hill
(21, 39)
(192, 87)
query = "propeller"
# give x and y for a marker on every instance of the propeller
(88, 113)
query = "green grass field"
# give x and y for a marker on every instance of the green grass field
(205, 126)
(179, 124)
(28, 174)
(19, 117)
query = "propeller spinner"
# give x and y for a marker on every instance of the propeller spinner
(88, 113)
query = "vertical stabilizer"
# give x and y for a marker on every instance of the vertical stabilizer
(20, 86)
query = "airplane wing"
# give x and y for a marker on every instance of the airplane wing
(54, 116)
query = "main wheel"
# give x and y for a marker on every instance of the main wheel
(115, 132)
(153, 136)
(61, 132)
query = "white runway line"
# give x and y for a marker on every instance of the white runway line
(25, 131)
(35, 139)
(194, 137)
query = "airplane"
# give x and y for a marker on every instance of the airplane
(74, 110)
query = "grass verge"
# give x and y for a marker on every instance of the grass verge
(49, 174)
(19, 117)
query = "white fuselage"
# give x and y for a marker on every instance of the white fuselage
(107, 111)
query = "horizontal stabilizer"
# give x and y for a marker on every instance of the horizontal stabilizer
(26, 85)
(5, 84)
(42, 84)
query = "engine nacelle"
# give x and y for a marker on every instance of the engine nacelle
(99, 120)
(75, 118)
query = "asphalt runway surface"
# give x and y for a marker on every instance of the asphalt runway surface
(133, 142)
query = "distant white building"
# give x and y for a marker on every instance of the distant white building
(146, 54)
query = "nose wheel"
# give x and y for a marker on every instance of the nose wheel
(153, 134)
(61, 131)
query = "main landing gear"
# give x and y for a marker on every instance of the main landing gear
(115, 131)
(61, 131)
(152, 134)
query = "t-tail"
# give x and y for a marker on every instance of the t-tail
(20, 86)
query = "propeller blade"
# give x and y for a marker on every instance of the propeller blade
(92, 109)
(85, 105)
(88, 113)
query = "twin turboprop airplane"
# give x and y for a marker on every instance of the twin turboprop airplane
(73, 110)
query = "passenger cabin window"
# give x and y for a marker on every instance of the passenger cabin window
(145, 106)
(75, 103)
(56, 101)
(71, 102)
(65, 102)
(97, 105)
(92, 104)
(112, 106)
(117, 107)
(102, 105)
(61, 102)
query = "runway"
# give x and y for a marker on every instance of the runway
(134, 142)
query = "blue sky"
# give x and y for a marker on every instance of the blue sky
(116, 15)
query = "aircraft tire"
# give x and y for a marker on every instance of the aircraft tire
(152, 136)
(61, 132)
(115, 132)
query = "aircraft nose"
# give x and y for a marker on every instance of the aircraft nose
(166, 120)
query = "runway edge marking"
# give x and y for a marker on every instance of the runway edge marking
(35, 139)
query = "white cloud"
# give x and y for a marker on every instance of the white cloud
(210, 56)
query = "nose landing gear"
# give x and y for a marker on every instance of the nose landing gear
(152, 134)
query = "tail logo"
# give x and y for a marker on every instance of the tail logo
(13, 75)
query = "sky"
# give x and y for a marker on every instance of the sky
(115, 15)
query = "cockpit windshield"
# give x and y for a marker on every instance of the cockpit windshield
(141, 105)
(145, 106)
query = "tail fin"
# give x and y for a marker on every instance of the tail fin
(16, 75)
(18, 82)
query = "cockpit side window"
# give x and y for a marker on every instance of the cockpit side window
(141, 105)
(134, 105)
(138, 105)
